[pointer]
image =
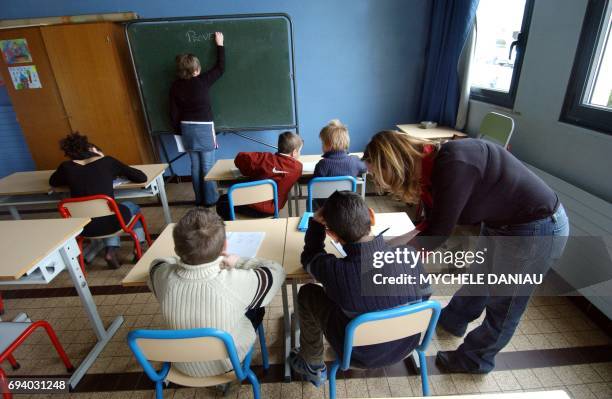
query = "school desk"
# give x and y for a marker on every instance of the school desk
(433, 134)
(225, 173)
(44, 248)
(271, 247)
(32, 188)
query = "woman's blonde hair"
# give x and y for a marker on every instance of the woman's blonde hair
(335, 136)
(187, 65)
(394, 159)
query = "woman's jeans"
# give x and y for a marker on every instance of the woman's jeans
(199, 142)
(115, 240)
(523, 249)
(205, 191)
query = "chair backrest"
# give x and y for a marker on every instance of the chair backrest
(323, 187)
(497, 128)
(251, 193)
(390, 325)
(195, 345)
(92, 206)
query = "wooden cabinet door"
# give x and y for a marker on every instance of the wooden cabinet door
(40, 111)
(93, 89)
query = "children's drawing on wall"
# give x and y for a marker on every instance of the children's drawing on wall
(25, 77)
(15, 51)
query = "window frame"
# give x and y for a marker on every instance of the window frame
(574, 111)
(506, 99)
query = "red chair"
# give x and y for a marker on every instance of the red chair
(94, 206)
(12, 334)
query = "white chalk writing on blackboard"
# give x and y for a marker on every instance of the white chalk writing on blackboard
(193, 36)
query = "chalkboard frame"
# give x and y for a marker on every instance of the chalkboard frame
(153, 134)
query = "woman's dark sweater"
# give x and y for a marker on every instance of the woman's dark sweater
(476, 181)
(96, 178)
(189, 98)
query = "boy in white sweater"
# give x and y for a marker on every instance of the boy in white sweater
(205, 287)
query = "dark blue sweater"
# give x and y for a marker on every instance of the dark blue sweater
(342, 281)
(339, 163)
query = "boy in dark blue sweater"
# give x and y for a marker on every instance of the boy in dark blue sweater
(336, 159)
(344, 294)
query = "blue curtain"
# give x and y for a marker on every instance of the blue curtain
(451, 22)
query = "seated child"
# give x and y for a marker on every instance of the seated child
(205, 287)
(282, 167)
(90, 172)
(327, 309)
(336, 159)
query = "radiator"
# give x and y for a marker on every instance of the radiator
(586, 262)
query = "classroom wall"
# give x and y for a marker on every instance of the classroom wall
(357, 60)
(14, 153)
(579, 156)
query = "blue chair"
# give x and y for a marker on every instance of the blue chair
(195, 345)
(323, 187)
(386, 326)
(251, 193)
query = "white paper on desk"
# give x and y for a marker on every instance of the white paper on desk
(179, 143)
(244, 244)
(119, 181)
(395, 230)
(339, 248)
(236, 172)
(309, 166)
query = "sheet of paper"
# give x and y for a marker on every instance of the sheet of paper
(308, 166)
(244, 244)
(338, 247)
(235, 172)
(179, 143)
(119, 181)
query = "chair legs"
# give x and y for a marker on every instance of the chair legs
(332, 379)
(159, 390)
(7, 354)
(264, 348)
(1, 305)
(424, 377)
(253, 380)
(4, 386)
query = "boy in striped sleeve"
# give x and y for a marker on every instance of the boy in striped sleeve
(206, 287)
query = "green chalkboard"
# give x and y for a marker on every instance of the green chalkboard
(256, 91)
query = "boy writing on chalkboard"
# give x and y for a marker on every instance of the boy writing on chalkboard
(282, 167)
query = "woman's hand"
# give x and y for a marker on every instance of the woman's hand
(219, 38)
(318, 216)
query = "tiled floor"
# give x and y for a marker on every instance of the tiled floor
(566, 348)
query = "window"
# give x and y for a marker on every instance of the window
(501, 36)
(588, 101)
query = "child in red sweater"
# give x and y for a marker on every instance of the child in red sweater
(282, 167)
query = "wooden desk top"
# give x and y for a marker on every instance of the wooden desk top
(399, 222)
(271, 248)
(437, 133)
(37, 182)
(24, 243)
(223, 169)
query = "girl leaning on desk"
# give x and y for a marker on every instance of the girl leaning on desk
(469, 182)
(89, 172)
